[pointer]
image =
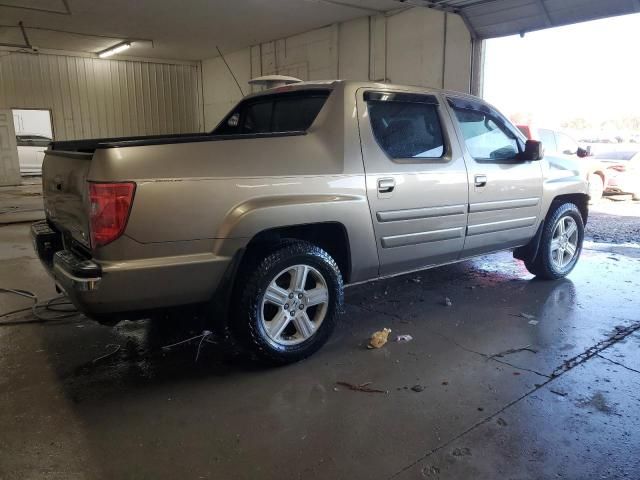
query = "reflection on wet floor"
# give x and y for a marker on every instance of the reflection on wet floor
(515, 377)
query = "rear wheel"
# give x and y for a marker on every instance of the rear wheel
(288, 302)
(560, 244)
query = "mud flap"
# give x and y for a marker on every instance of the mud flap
(530, 250)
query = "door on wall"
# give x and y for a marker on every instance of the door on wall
(9, 165)
(34, 132)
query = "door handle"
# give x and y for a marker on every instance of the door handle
(481, 180)
(386, 185)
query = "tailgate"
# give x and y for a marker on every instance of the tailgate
(64, 187)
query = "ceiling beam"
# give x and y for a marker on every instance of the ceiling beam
(444, 6)
(467, 23)
(545, 13)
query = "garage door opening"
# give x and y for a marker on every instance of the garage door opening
(34, 131)
(575, 89)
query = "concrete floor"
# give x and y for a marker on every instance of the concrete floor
(566, 407)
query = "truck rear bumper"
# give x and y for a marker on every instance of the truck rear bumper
(128, 288)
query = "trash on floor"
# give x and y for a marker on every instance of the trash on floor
(205, 336)
(447, 302)
(533, 322)
(379, 338)
(363, 387)
(116, 349)
(417, 388)
(558, 392)
(404, 338)
(524, 315)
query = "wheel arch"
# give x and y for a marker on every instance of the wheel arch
(580, 200)
(331, 236)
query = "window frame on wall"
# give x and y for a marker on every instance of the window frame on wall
(503, 124)
(35, 109)
(394, 97)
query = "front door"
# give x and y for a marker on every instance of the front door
(416, 178)
(505, 193)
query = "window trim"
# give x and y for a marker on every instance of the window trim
(459, 103)
(370, 96)
(402, 97)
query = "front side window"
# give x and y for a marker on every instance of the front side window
(407, 129)
(485, 135)
(284, 112)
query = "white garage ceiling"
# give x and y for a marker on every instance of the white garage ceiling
(191, 29)
(187, 29)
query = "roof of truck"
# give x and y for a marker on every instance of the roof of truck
(312, 84)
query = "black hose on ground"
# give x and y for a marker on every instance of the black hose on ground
(60, 306)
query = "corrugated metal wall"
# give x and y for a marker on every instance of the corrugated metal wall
(91, 97)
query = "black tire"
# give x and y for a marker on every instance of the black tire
(543, 265)
(255, 277)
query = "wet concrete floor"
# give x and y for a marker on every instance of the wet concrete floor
(518, 378)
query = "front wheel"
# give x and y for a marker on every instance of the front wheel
(560, 244)
(288, 302)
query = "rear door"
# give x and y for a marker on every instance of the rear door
(504, 193)
(416, 178)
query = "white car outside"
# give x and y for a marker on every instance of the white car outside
(31, 148)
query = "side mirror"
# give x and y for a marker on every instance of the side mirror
(533, 151)
(582, 152)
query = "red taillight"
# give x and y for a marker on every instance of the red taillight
(110, 204)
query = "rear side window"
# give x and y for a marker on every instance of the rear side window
(276, 113)
(406, 129)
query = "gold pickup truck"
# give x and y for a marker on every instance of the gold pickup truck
(298, 191)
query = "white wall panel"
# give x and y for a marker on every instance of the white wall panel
(91, 97)
(458, 51)
(353, 49)
(415, 47)
(220, 92)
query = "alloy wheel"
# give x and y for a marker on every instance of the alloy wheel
(294, 305)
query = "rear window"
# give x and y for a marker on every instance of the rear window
(276, 113)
